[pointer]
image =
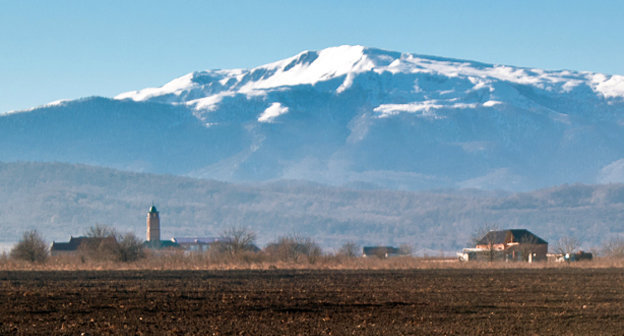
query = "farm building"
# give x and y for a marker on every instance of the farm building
(74, 244)
(507, 245)
(380, 251)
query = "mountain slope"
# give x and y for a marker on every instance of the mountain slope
(61, 200)
(343, 115)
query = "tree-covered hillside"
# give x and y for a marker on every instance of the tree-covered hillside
(61, 200)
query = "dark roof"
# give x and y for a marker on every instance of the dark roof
(62, 247)
(74, 243)
(508, 236)
(152, 209)
(371, 250)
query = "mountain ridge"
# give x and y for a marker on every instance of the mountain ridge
(346, 115)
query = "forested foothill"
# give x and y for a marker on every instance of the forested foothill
(59, 200)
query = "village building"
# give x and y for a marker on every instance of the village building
(75, 243)
(380, 251)
(188, 244)
(507, 245)
(152, 239)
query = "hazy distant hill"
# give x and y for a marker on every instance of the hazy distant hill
(62, 199)
(348, 114)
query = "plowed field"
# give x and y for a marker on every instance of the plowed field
(424, 302)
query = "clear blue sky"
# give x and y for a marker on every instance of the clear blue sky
(52, 50)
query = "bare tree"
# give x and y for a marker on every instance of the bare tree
(107, 244)
(483, 237)
(31, 248)
(349, 250)
(405, 249)
(481, 233)
(237, 240)
(614, 248)
(102, 243)
(101, 231)
(129, 248)
(567, 245)
(294, 248)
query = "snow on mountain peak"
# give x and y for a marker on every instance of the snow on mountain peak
(608, 86)
(204, 90)
(310, 68)
(175, 86)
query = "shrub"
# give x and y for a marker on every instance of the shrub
(104, 243)
(294, 249)
(614, 248)
(129, 248)
(235, 241)
(100, 243)
(349, 250)
(31, 248)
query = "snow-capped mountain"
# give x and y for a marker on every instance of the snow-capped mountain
(347, 115)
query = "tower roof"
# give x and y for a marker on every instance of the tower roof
(152, 209)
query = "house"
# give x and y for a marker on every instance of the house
(507, 245)
(74, 244)
(380, 251)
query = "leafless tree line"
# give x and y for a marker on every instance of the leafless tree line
(234, 244)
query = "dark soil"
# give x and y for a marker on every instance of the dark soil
(445, 302)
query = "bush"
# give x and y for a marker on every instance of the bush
(235, 241)
(104, 243)
(614, 248)
(294, 249)
(100, 243)
(349, 250)
(31, 248)
(129, 248)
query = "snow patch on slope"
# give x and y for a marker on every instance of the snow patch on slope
(491, 103)
(210, 103)
(272, 112)
(427, 108)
